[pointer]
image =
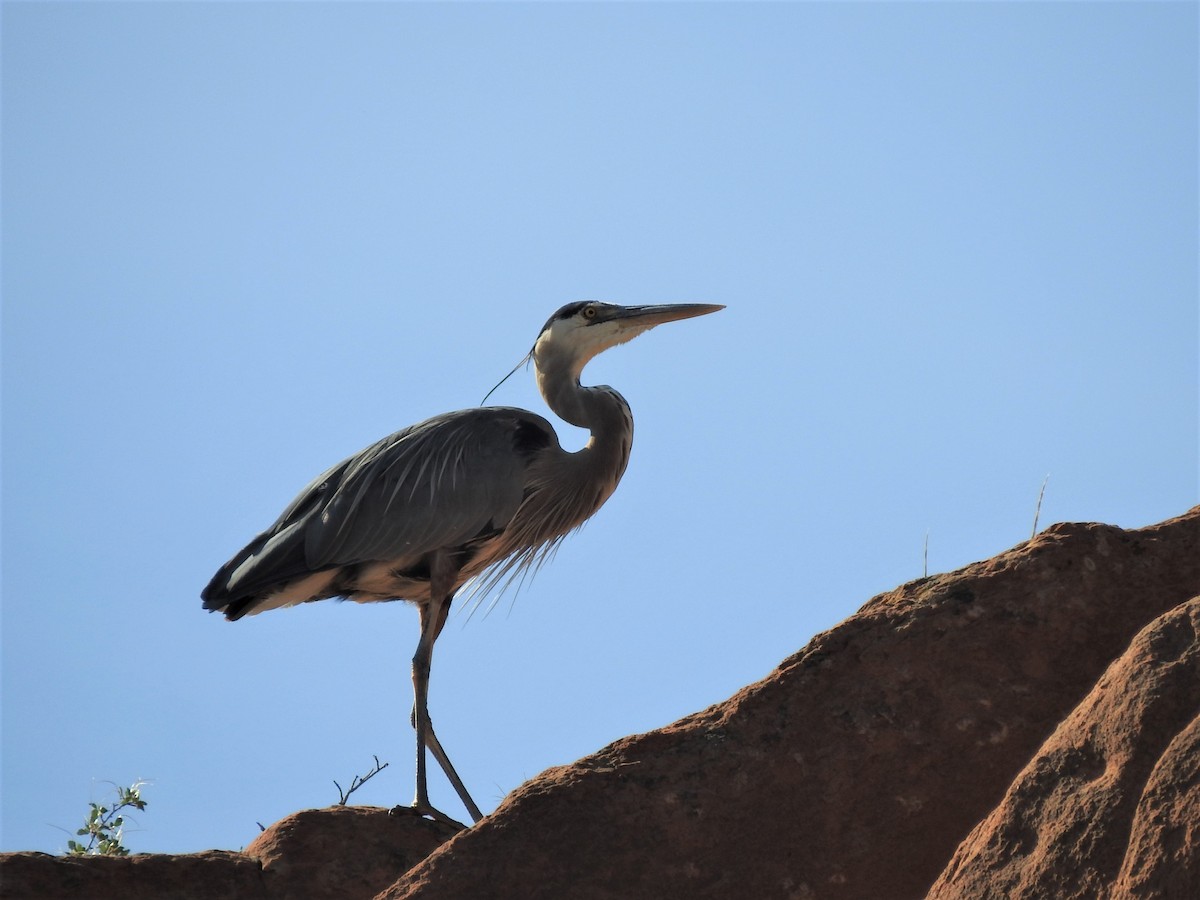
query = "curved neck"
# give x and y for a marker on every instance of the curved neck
(600, 410)
(603, 412)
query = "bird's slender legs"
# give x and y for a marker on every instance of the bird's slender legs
(433, 618)
(435, 747)
(420, 715)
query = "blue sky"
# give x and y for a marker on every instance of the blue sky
(958, 247)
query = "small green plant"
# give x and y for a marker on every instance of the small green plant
(104, 825)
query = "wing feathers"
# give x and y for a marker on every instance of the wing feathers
(438, 484)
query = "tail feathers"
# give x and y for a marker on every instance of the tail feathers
(259, 577)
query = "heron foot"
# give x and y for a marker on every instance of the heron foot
(426, 811)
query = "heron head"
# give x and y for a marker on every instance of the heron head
(579, 331)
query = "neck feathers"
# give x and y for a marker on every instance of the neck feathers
(601, 410)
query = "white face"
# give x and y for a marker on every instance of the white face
(579, 331)
(572, 340)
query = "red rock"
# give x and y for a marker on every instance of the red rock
(854, 771)
(1163, 859)
(342, 851)
(856, 768)
(1110, 804)
(213, 875)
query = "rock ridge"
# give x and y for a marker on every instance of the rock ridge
(1026, 726)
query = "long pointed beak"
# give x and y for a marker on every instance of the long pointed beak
(643, 317)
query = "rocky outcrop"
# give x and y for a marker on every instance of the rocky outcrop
(857, 767)
(343, 852)
(213, 875)
(917, 742)
(1110, 804)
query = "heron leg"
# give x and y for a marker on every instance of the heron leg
(435, 747)
(433, 619)
(420, 715)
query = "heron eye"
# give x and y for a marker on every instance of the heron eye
(589, 312)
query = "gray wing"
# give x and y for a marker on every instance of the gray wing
(438, 484)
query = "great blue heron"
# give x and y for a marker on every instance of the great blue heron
(481, 493)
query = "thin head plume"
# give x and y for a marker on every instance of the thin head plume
(524, 359)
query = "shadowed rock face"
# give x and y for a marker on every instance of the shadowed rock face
(342, 851)
(339, 852)
(858, 766)
(928, 720)
(1110, 804)
(212, 875)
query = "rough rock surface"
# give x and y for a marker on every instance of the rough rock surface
(213, 875)
(858, 766)
(854, 770)
(343, 852)
(1110, 805)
